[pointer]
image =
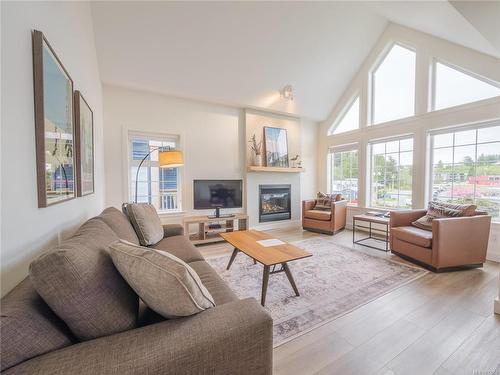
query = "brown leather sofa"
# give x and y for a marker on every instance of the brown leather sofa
(453, 243)
(328, 222)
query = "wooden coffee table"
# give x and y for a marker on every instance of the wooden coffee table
(246, 242)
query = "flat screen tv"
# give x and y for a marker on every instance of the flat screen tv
(209, 194)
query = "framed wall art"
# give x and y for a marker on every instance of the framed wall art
(84, 146)
(54, 125)
(276, 147)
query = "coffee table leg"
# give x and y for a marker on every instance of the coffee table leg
(235, 252)
(265, 280)
(290, 278)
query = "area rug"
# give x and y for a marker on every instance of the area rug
(334, 281)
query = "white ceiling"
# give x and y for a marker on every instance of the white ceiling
(242, 53)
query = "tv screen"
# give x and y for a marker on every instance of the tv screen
(217, 193)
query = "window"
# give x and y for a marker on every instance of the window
(343, 174)
(466, 167)
(349, 120)
(158, 186)
(393, 86)
(391, 173)
(454, 87)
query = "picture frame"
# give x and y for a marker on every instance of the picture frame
(276, 147)
(84, 146)
(54, 125)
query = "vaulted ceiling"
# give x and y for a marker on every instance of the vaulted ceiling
(242, 53)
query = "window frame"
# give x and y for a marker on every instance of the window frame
(435, 61)
(342, 148)
(369, 168)
(156, 137)
(430, 162)
(371, 82)
(343, 113)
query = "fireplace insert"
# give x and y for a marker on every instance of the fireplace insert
(274, 201)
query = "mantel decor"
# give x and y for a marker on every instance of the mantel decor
(84, 141)
(276, 147)
(54, 127)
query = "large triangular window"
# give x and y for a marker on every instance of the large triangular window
(393, 86)
(349, 120)
(455, 87)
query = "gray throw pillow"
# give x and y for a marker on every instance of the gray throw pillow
(146, 223)
(81, 285)
(165, 283)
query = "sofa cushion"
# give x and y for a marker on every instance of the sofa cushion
(216, 286)
(120, 224)
(146, 223)
(437, 209)
(181, 247)
(28, 327)
(324, 201)
(81, 285)
(318, 214)
(417, 236)
(165, 283)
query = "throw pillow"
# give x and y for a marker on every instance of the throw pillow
(438, 209)
(81, 285)
(165, 283)
(324, 201)
(146, 223)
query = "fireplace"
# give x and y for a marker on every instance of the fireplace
(274, 203)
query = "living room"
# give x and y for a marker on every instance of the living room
(322, 179)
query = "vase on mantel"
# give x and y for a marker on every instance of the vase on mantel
(257, 160)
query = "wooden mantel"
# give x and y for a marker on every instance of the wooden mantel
(275, 169)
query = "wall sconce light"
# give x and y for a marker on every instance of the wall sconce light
(287, 92)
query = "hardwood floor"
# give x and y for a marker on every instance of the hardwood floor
(440, 324)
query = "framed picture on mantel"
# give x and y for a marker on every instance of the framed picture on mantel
(54, 126)
(84, 142)
(276, 147)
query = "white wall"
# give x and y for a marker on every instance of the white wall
(427, 47)
(212, 138)
(27, 230)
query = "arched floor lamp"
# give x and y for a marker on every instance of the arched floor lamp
(167, 158)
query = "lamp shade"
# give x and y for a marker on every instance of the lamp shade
(170, 159)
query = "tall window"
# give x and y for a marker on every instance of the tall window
(466, 167)
(343, 174)
(349, 120)
(454, 87)
(158, 186)
(393, 86)
(391, 173)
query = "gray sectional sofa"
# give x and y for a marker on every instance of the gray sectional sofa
(235, 337)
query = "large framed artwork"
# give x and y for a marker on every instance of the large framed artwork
(84, 146)
(276, 147)
(54, 128)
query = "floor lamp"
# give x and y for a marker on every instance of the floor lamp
(167, 158)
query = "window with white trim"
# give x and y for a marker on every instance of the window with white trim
(465, 167)
(391, 171)
(158, 186)
(454, 86)
(343, 173)
(393, 86)
(349, 118)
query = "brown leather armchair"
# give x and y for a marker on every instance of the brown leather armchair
(328, 222)
(454, 243)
